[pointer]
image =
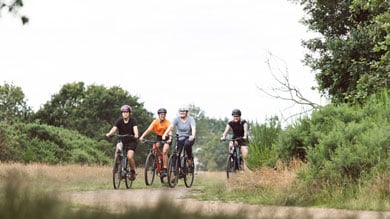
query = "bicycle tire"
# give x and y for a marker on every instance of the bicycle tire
(173, 170)
(116, 176)
(188, 176)
(150, 169)
(230, 165)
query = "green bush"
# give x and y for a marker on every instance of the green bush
(48, 144)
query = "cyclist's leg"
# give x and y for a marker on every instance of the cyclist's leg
(130, 156)
(165, 155)
(244, 154)
(119, 147)
(230, 145)
(190, 159)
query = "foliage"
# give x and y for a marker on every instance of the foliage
(13, 106)
(351, 55)
(261, 144)
(48, 144)
(91, 110)
(13, 7)
(342, 145)
(208, 149)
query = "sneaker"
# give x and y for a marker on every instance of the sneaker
(190, 166)
(132, 175)
(164, 172)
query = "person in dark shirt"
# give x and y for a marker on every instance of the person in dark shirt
(126, 125)
(240, 130)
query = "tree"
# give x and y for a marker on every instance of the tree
(13, 106)
(91, 110)
(351, 56)
(13, 7)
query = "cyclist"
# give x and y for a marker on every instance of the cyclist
(186, 129)
(240, 130)
(159, 126)
(126, 125)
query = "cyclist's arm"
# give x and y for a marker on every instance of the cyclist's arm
(135, 130)
(225, 132)
(168, 131)
(146, 132)
(245, 131)
(112, 131)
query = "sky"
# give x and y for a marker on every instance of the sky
(209, 53)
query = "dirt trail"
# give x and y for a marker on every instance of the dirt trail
(117, 200)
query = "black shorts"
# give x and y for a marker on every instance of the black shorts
(159, 138)
(132, 145)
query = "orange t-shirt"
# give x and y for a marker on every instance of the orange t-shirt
(159, 127)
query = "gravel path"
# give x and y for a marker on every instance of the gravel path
(117, 200)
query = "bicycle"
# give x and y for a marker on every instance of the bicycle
(178, 167)
(154, 162)
(234, 162)
(121, 169)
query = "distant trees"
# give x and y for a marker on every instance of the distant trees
(13, 106)
(351, 57)
(90, 110)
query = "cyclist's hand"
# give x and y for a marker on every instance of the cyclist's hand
(222, 138)
(108, 135)
(141, 139)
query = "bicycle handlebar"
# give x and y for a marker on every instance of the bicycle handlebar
(121, 136)
(232, 139)
(153, 141)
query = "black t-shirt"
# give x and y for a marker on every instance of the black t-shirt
(238, 128)
(126, 128)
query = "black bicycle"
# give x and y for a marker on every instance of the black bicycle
(154, 162)
(234, 162)
(121, 169)
(178, 167)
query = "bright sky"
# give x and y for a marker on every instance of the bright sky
(210, 53)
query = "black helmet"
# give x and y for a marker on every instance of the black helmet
(236, 112)
(125, 108)
(161, 110)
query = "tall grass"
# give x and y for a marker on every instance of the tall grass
(263, 136)
(22, 197)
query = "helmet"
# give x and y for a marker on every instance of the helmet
(125, 108)
(183, 108)
(161, 110)
(236, 112)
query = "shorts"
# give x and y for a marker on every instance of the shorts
(132, 145)
(159, 138)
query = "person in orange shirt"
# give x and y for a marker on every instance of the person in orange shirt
(159, 126)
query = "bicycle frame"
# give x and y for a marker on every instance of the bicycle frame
(178, 167)
(120, 170)
(233, 162)
(154, 162)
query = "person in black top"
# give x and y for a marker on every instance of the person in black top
(240, 130)
(126, 125)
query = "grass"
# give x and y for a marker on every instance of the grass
(31, 185)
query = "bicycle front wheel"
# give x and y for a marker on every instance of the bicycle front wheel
(189, 174)
(150, 169)
(230, 166)
(128, 182)
(173, 170)
(116, 174)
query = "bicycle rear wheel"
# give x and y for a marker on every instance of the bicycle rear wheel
(150, 169)
(116, 175)
(189, 175)
(173, 170)
(230, 166)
